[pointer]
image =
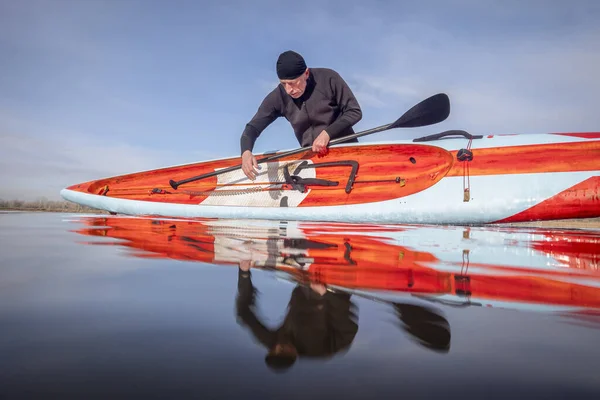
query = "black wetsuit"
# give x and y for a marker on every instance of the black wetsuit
(327, 104)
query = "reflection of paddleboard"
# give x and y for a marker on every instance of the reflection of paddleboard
(501, 266)
(505, 178)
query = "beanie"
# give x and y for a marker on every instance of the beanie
(290, 65)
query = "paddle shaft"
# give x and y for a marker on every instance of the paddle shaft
(429, 111)
(382, 128)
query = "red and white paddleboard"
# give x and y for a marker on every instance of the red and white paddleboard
(460, 180)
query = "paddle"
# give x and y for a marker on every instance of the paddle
(428, 112)
(426, 325)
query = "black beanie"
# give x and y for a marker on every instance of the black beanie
(290, 65)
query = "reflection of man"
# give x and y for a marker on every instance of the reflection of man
(319, 323)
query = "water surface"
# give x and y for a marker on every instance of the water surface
(97, 307)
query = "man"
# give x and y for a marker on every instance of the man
(317, 102)
(319, 324)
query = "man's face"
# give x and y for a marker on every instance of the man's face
(295, 87)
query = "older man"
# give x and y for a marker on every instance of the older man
(316, 101)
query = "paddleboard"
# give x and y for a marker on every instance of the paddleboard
(441, 178)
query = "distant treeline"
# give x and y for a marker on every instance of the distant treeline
(46, 205)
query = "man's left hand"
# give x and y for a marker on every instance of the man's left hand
(320, 143)
(319, 288)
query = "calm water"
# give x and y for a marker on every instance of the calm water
(96, 307)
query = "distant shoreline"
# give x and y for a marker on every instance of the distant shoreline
(90, 211)
(45, 205)
(564, 223)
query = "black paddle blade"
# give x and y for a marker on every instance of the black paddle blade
(425, 325)
(428, 112)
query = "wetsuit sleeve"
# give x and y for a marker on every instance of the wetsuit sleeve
(342, 320)
(268, 111)
(350, 111)
(244, 310)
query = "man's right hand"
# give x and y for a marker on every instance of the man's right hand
(249, 165)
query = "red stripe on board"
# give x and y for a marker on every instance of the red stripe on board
(583, 135)
(579, 201)
(529, 159)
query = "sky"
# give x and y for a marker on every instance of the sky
(90, 89)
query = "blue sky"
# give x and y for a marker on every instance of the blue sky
(96, 88)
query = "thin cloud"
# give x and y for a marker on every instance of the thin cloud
(139, 86)
(521, 85)
(35, 166)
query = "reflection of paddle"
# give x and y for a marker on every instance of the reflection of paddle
(425, 324)
(429, 328)
(428, 112)
(448, 302)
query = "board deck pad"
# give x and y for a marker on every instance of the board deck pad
(247, 192)
(365, 174)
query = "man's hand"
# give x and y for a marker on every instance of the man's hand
(319, 288)
(320, 143)
(249, 165)
(245, 265)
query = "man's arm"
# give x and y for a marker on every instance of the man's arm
(244, 310)
(350, 113)
(268, 111)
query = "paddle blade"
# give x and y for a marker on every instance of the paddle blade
(428, 112)
(426, 325)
